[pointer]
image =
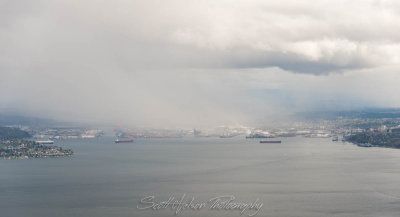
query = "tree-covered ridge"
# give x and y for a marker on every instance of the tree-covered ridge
(7, 133)
(389, 138)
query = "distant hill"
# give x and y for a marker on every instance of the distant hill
(12, 133)
(13, 119)
(367, 113)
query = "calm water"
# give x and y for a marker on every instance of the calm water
(300, 177)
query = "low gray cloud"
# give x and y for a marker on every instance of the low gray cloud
(195, 62)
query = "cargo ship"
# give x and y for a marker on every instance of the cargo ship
(45, 142)
(227, 136)
(124, 141)
(364, 145)
(271, 141)
(259, 137)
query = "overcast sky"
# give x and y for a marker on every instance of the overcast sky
(193, 63)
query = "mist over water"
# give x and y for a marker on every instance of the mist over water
(224, 66)
(186, 64)
(300, 177)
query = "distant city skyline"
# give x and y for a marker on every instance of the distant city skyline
(191, 63)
